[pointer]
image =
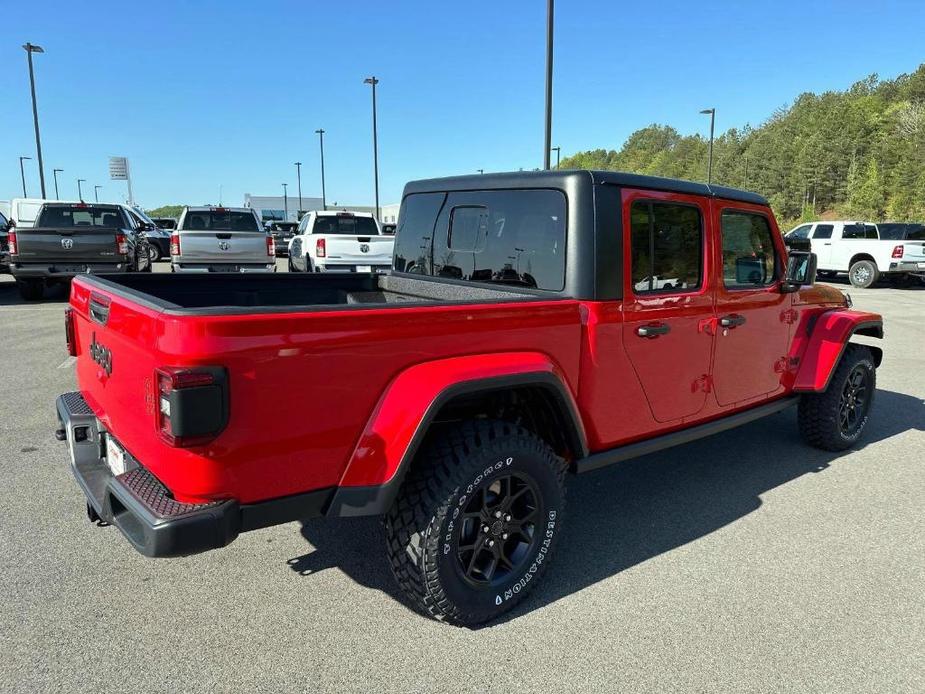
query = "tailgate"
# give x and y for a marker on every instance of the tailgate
(364, 250)
(223, 247)
(913, 251)
(84, 244)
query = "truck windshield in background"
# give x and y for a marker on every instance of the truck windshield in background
(64, 216)
(502, 237)
(215, 220)
(345, 224)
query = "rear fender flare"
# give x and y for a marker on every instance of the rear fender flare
(830, 336)
(402, 417)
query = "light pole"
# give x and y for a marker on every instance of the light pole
(96, 193)
(285, 203)
(80, 195)
(481, 171)
(712, 112)
(22, 172)
(320, 131)
(558, 151)
(30, 49)
(298, 174)
(373, 81)
(547, 148)
(55, 173)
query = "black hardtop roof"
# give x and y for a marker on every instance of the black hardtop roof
(566, 178)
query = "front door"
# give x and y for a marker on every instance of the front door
(753, 329)
(668, 300)
(822, 245)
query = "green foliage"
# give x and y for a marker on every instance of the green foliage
(860, 153)
(165, 211)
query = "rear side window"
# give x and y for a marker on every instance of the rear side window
(666, 247)
(58, 217)
(214, 220)
(859, 231)
(823, 231)
(345, 224)
(748, 250)
(414, 234)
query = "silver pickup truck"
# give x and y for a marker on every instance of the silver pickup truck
(221, 239)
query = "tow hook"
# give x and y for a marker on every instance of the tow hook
(61, 434)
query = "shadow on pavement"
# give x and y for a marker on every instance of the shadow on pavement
(9, 294)
(627, 514)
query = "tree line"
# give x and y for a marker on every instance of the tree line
(858, 153)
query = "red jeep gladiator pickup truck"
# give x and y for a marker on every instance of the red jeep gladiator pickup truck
(533, 324)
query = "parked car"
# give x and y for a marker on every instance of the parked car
(339, 242)
(388, 228)
(69, 238)
(4, 244)
(24, 211)
(513, 342)
(858, 249)
(168, 223)
(221, 239)
(282, 232)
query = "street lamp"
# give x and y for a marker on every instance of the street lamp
(558, 151)
(22, 172)
(481, 171)
(30, 49)
(55, 173)
(373, 81)
(547, 148)
(712, 112)
(298, 173)
(320, 131)
(285, 204)
(96, 193)
(80, 195)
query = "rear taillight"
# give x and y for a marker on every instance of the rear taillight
(271, 246)
(174, 244)
(69, 335)
(192, 404)
(11, 241)
(320, 250)
(121, 244)
(898, 252)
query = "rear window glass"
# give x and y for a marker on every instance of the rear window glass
(220, 221)
(859, 231)
(513, 237)
(895, 231)
(89, 216)
(345, 224)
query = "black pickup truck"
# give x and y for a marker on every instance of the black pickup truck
(73, 238)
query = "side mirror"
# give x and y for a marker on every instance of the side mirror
(801, 271)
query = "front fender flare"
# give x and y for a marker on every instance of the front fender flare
(400, 420)
(827, 342)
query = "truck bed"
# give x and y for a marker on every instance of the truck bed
(232, 293)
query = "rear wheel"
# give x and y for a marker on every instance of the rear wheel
(863, 274)
(154, 253)
(31, 289)
(476, 521)
(835, 419)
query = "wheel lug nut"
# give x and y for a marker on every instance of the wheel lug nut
(497, 514)
(507, 517)
(503, 536)
(491, 543)
(485, 528)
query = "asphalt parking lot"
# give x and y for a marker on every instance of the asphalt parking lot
(742, 562)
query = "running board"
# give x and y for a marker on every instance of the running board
(675, 438)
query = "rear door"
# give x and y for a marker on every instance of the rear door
(216, 236)
(668, 300)
(753, 315)
(77, 234)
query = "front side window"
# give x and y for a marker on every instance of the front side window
(801, 232)
(666, 247)
(823, 231)
(748, 250)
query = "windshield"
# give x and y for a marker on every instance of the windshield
(346, 224)
(79, 216)
(220, 221)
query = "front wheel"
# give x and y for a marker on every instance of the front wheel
(835, 419)
(863, 274)
(476, 522)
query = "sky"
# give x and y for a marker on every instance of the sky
(209, 96)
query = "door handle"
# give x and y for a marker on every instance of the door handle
(653, 331)
(733, 320)
(827, 244)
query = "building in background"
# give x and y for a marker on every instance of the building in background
(272, 207)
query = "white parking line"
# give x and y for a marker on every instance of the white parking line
(70, 361)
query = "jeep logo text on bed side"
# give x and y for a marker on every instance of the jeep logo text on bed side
(101, 355)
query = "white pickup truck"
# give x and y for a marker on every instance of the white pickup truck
(340, 242)
(859, 249)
